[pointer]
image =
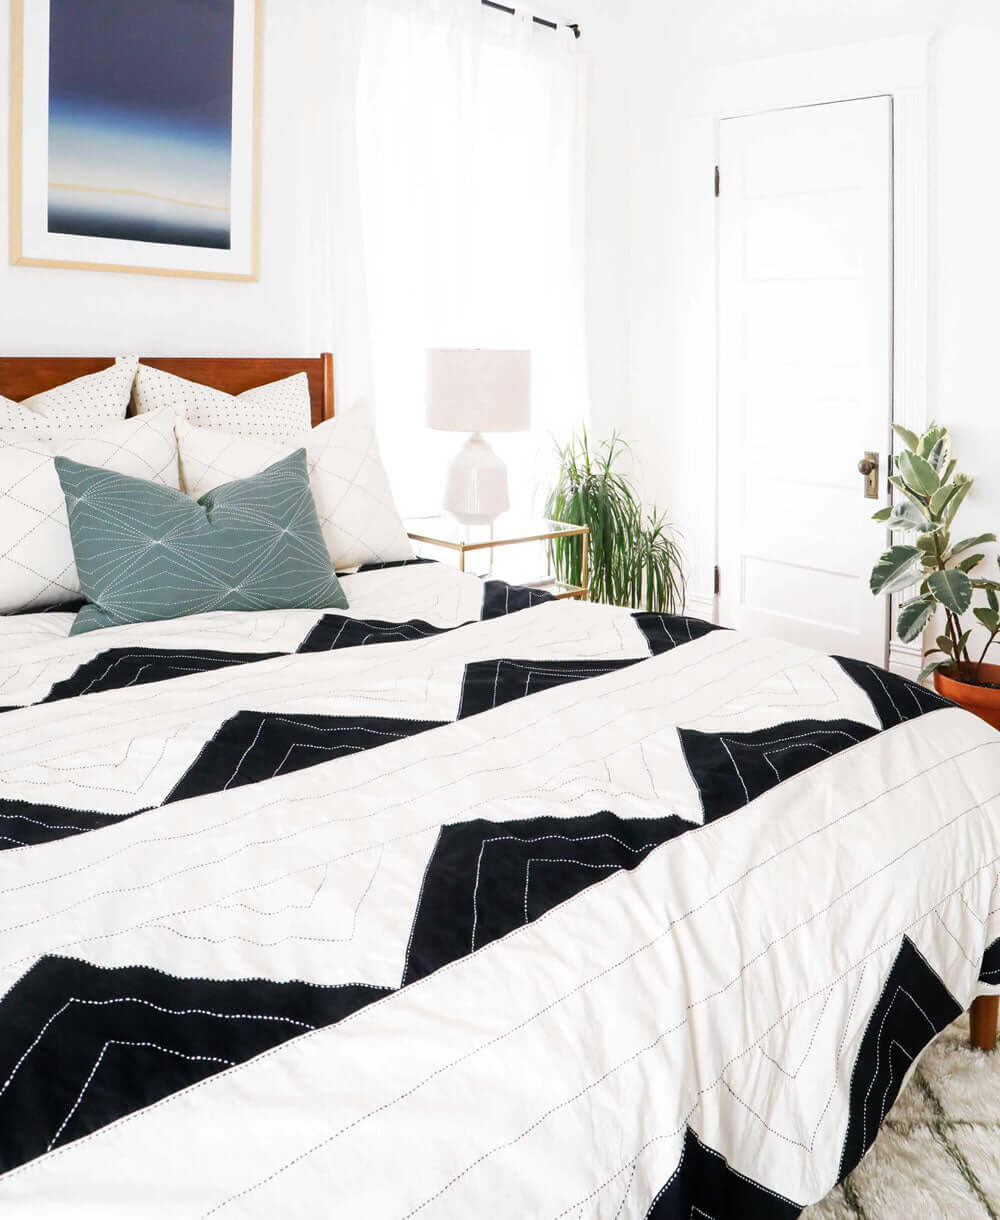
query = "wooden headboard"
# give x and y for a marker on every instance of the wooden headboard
(22, 376)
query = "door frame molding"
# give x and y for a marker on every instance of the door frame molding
(893, 67)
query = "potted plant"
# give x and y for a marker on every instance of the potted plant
(634, 557)
(941, 572)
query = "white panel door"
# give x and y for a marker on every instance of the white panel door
(805, 370)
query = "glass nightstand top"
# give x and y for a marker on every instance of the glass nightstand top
(444, 530)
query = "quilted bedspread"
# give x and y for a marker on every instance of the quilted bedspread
(466, 902)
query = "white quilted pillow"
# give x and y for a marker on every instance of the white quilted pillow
(36, 554)
(279, 412)
(80, 406)
(360, 521)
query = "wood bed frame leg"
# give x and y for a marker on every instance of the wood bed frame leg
(983, 1022)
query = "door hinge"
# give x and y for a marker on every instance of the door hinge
(718, 182)
(718, 581)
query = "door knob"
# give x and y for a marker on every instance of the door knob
(868, 466)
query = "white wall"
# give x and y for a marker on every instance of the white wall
(56, 311)
(608, 45)
(650, 240)
(69, 312)
(50, 311)
(671, 306)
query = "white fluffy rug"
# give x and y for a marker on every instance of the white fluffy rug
(938, 1154)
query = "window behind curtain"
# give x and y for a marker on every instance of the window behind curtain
(470, 130)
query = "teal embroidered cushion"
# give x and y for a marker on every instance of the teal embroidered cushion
(147, 552)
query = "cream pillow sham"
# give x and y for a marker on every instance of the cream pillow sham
(360, 521)
(36, 555)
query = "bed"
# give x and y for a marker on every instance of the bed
(467, 901)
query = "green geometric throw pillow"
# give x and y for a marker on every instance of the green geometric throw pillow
(146, 552)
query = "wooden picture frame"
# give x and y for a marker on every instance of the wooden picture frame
(32, 243)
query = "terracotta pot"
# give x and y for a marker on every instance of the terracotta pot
(983, 701)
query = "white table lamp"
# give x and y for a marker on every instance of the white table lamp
(478, 391)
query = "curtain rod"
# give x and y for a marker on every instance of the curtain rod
(549, 25)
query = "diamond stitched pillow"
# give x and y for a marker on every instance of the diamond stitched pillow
(36, 554)
(279, 412)
(361, 523)
(146, 552)
(83, 405)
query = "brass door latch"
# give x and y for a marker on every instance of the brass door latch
(868, 466)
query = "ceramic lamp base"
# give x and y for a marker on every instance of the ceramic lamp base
(476, 491)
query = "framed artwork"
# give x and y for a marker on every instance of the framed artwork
(134, 134)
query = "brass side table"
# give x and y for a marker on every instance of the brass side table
(449, 534)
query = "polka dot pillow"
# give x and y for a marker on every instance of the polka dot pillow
(77, 408)
(279, 413)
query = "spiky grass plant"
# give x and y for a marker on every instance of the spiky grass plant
(635, 558)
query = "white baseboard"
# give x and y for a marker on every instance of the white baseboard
(905, 660)
(700, 605)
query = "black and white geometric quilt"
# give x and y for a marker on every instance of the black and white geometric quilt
(468, 902)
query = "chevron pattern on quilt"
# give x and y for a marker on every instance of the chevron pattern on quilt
(989, 971)
(488, 684)
(500, 598)
(337, 631)
(731, 769)
(666, 631)
(914, 1006)
(895, 699)
(256, 746)
(504, 875)
(383, 565)
(25, 823)
(457, 598)
(704, 1185)
(238, 740)
(99, 1044)
(580, 911)
(120, 668)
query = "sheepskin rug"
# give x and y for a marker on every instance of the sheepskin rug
(938, 1155)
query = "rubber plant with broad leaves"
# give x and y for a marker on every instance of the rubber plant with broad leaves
(946, 574)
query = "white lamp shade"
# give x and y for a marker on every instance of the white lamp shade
(476, 390)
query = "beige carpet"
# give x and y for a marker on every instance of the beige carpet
(938, 1155)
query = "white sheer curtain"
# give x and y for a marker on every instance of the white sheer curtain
(467, 226)
(331, 35)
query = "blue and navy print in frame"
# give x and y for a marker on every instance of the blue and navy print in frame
(136, 145)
